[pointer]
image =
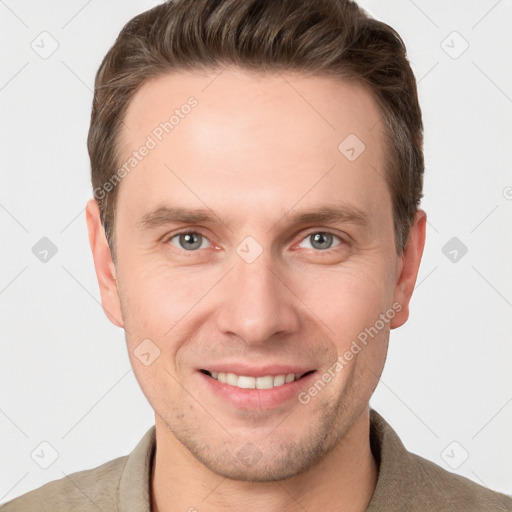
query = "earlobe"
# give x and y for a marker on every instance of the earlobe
(408, 268)
(103, 264)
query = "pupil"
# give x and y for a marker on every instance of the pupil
(322, 240)
(192, 239)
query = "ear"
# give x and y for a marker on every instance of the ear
(408, 267)
(105, 269)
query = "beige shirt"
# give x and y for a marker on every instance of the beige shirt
(406, 482)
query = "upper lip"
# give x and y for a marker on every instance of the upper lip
(257, 371)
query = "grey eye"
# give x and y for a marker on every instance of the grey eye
(320, 241)
(189, 241)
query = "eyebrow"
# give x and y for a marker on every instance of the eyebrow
(169, 214)
(164, 215)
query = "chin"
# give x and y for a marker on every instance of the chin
(271, 463)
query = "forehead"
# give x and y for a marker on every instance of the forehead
(246, 137)
(266, 102)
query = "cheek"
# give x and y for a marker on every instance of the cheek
(347, 299)
(156, 298)
(160, 301)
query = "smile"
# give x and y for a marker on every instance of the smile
(248, 382)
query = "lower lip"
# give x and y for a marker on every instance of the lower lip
(256, 398)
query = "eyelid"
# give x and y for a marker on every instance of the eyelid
(342, 240)
(167, 238)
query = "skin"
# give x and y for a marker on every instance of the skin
(255, 150)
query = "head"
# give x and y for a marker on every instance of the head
(257, 170)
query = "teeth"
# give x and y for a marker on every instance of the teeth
(245, 382)
(279, 380)
(265, 382)
(231, 379)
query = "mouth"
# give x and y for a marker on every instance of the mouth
(253, 382)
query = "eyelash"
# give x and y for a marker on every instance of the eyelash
(343, 242)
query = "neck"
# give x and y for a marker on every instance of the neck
(344, 480)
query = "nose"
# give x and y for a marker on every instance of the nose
(258, 302)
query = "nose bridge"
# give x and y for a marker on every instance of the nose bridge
(257, 305)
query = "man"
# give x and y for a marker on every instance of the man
(257, 171)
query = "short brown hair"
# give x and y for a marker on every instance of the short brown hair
(324, 37)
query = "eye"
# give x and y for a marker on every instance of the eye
(320, 240)
(189, 241)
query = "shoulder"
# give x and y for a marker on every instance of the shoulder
(89, 490)
(447, 491)
(408, 482)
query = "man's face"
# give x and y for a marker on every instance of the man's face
(256, 291)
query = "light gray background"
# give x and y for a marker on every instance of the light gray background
(65, 374)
